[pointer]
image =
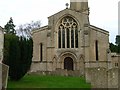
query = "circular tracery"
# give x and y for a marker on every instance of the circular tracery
(68, 22)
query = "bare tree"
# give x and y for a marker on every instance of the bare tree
(25, 29)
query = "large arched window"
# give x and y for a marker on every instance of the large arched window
(68, 33)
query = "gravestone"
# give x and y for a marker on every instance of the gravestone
(3, 76)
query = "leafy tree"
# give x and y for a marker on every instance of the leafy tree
(117, 39)
(113, 47)
(10, 27)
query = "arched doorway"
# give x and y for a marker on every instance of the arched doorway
(68, 63)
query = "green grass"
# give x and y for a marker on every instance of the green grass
(37, 81)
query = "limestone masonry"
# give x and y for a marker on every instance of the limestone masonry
(69, 45)
(70, 42)
(1, 43)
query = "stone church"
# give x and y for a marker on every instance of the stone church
(70, 42)
(1, 43)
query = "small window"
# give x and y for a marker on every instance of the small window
(41, 52)
(96, 50)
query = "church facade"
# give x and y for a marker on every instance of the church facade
(70, 42)
(1, 43)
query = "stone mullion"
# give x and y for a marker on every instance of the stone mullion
(74, 37)
(70, 36)
(65, 38)
(61, 37)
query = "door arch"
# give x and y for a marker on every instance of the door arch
(68, 63)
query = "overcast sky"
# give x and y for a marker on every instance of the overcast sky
(103, 13)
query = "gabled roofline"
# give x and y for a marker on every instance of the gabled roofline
(56, 13)
(39, 29)
(1, 28)
(64, 10)
(99, 29)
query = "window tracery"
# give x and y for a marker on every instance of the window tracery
(68, 33)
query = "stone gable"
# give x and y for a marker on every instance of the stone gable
(69, 35)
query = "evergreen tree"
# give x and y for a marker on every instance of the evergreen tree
(118, 43)
(12, 57)
(10, 27)
(17, 52)
(17, 55)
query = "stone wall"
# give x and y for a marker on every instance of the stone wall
(113, 78)
(114, 60)
(4, 70)
(1, 43)
(102, 77)
(58, 72)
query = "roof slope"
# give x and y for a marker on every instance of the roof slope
(99, 29)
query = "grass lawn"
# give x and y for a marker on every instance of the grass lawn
(37, 81)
